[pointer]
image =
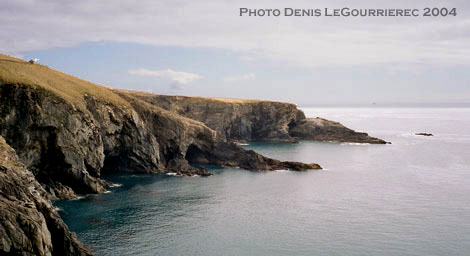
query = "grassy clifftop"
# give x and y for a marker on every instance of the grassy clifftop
(195, 100)
(70, 88)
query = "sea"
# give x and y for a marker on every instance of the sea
(411, 197)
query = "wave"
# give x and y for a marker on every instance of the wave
(354, 144)
(78, 198)
(115, 185)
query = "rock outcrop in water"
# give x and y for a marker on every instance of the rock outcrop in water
(320, 129)
(424, 134)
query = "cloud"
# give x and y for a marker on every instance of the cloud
(247, 58)
(178, 78)
(29, 25)
(238, 78)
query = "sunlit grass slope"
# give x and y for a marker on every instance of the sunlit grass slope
(70, 88)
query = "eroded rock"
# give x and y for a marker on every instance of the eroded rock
(29, 224)
(251, 120)
(320, 129)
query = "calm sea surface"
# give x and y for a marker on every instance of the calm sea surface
(408, 198)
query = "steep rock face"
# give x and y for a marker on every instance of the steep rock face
(67, 145)
(251, 120)
(67, 131)
(320, 129)
(28, 223)
(48, 134)
(233, 119)
(199, 144)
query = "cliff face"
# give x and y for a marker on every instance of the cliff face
(67, 146)
(233, 119)
(28, 223)
(67, 131)
(251, 120)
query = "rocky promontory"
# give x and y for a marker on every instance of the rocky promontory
(256, 120)
(320, 129)
(62, 133)
(68, 132)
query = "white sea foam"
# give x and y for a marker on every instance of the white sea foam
(353, 144)
(115, 185)
(171, 174)
(107, 192)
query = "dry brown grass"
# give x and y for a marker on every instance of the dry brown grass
(70, 88)
(197, 99)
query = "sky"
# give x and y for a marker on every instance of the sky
(205, 48)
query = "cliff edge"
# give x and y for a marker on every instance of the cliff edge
(68, 131)
(59, 133)
(256, 120)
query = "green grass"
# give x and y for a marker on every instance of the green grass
(70, 88)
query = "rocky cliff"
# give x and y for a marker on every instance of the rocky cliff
(65, 132)
(251, 120)
(29, 224)
(233, 119)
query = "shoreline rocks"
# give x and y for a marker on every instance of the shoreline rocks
(320, 129)
(29, 225)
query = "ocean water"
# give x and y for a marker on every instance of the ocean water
(408, 198)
